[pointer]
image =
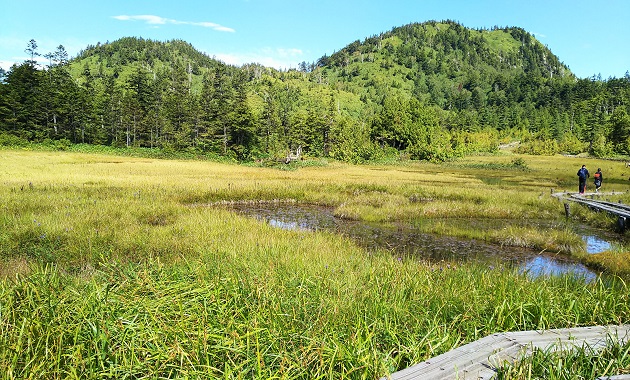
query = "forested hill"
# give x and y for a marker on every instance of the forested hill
(446, 63)
(127, 50)
(449, 48)
(434, 90)
(130, 55)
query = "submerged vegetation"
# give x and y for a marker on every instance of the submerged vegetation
(118, 267)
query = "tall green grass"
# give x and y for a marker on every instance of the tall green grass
(120, 268)
(227, 319)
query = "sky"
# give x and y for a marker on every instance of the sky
(590, 37)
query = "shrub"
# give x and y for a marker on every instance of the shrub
(12, 140)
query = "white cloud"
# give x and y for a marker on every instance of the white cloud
(6, 65)
(157, 20)
(18, 60)
(12, 49)
(279, 58)
(149, 19)
(39, 61)
(289, 52)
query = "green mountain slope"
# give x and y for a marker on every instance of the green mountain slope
(433, 91)
(434, 61)
(443, 63)
(124, 56)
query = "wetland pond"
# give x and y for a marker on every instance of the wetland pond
(410, 242)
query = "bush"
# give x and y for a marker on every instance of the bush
(63, 144)
(12, 140)
(519, 163)
(570, 144)
(539, 147)
(601, 147)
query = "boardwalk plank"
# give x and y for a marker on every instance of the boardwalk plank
(480, 359)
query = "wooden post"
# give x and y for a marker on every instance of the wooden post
(567, 212)
(621, 223)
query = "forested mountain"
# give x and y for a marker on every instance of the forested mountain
(426, 91)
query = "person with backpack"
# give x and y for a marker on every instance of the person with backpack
(583, 176)
(598, 179)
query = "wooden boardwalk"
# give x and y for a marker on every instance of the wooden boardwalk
(479, 360)
(621, 211)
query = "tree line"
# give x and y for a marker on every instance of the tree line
(426, 91)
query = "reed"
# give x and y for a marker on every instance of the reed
(119, 267)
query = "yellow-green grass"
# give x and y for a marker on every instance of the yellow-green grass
(49, 192)
(120, 268)
(581, 363)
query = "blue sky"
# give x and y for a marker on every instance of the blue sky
(590, 37)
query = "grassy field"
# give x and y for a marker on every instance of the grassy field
(119, 267)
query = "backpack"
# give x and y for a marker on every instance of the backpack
(582, 173)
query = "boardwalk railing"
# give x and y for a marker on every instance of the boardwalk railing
(621, 211)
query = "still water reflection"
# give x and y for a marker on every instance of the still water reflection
(595, 244)
(407, 241)
(537, 266)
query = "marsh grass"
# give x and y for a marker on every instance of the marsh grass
(115, 267)
(615, 261)
(345, 319)
(582, 363)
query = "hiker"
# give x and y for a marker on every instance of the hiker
(598, 179)
(583, 176)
